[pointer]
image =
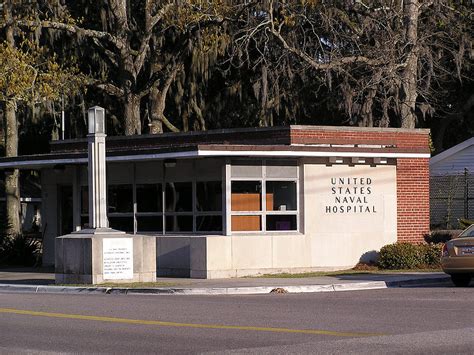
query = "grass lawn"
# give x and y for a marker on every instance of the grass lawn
(370, 271)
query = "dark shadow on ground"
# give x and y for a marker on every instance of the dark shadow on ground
(39, 282)
(24, 269)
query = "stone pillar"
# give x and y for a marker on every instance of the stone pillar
(101, 254)
(97, 169)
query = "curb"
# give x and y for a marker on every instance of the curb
(353, 286)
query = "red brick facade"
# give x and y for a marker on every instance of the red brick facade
(413, 195)
(344, 135)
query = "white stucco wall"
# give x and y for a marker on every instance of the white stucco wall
(340, 239)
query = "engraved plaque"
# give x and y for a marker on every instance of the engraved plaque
(117, 258)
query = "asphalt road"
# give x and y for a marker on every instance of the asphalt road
(406, 320)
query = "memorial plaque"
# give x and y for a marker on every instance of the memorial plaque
(118, 258)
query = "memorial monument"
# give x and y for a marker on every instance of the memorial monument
(100, 254)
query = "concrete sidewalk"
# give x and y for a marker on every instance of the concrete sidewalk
(42, 280)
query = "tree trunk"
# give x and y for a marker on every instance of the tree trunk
(409, 75)
(132, 115)
(12, 181)
(156, 125)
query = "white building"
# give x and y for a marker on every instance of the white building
(248, 201)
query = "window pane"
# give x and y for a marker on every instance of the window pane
(149, 198)
(282, 169)
(121, 223)
(84, 222)
(246, 223)
(281, 222)
(120, 198)
(281, 196)
(179, 223)
(246, 196)
(209, 196)
(246, 168)
(209, 223)
(179, 197)
(149, 223)
(84, 199)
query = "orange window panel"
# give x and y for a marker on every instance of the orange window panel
(246, 223)
(250, 202)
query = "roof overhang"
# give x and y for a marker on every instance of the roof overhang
(201, 151)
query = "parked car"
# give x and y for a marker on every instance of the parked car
(457, 258)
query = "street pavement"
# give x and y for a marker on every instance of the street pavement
(434, 319)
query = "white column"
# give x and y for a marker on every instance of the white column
(97, 169)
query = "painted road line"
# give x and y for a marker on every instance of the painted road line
(184, 325)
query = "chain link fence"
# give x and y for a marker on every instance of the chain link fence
(451, 198)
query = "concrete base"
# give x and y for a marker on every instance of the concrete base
(79, 257)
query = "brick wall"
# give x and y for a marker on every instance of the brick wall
(401, 138)
(413, 195)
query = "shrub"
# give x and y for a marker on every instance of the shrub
(441, 236)
(20, 251)
(430, 255)
(399, 256)
(409, 256)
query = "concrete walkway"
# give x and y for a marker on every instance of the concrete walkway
(42, 280)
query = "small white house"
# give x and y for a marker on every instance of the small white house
(452, 185)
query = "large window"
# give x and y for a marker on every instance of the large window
(120, 207)
(208, 209)
(179, 207)
(264, 196)
(149, 214)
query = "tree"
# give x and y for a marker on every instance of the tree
(28, 75)
(384, 60)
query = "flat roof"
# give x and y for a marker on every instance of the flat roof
(201, 151)
(289, 141)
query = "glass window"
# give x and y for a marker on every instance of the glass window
(246, 196)
(84, 222)
(121, 223)
(281, 199)
(281, 195)
(281, 169)
(179, 197)
(246, 223)
(281, 222)
(209, 196)
(84, 199)
(120, 198)
(149, 198)
(209, 223)
(179, 223)
(149, 223)
(246, 168)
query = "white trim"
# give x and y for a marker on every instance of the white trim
(215, 153)
(285, 153)
(18, 164)
(451, 151)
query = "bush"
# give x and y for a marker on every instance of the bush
(409, 256)
(20, 251)
(430, 255)
(441, 236)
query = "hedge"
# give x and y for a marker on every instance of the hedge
(409, 256)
